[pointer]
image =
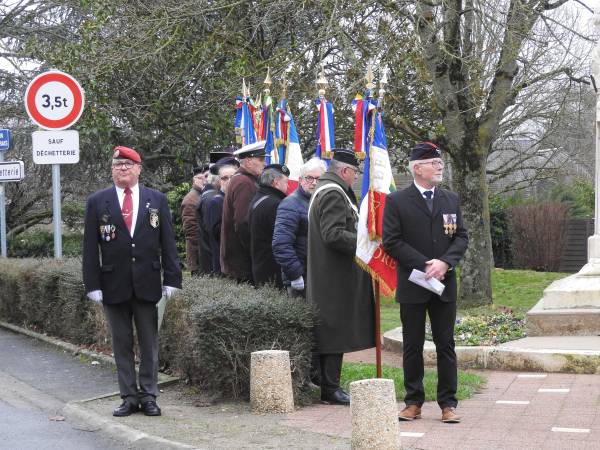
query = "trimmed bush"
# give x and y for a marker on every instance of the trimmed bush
(40, 244)
(208, 332)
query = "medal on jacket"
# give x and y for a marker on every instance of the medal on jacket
(107, 230)
(449, 224)
(153, 217)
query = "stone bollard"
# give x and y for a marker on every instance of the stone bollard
(271, 382)
(374, 415)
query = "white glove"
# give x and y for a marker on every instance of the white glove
(95, 296)
(168, 291)
(298, 283)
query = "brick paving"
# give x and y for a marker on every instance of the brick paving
(487, 424)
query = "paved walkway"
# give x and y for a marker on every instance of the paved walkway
(514, 411)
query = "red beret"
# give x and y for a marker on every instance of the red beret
(127, 153)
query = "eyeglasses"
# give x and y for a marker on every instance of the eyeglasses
(310, 179)
(225, 178)
(355, 169)
(123, 165)
(439, 164)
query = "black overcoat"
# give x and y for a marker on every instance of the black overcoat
(341, 290)
(124, 266)
(413, 235)
(205, 258)
(262, 214)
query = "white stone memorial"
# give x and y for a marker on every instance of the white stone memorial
(571, 306)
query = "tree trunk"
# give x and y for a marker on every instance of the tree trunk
(469, 181)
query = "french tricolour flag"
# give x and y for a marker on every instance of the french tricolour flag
(289, 150)
(379, 183)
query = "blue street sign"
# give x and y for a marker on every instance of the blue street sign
(4, 140)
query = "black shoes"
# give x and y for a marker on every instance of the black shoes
(337, 397)
(151, 408)
(126, 409)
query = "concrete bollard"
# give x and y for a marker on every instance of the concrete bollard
(271, 382)
(374, 415)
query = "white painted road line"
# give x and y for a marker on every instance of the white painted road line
(532, 375)
(512, 402)
(570, 430)
(558, 391)
(411, 434)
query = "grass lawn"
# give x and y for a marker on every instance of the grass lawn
(468, 383)
(515, 289)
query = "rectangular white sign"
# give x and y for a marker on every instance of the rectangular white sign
(12, 171)
(55, 147)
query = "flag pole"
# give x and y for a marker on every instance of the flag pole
(377, 327)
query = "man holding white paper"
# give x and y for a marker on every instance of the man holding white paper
(423, 231)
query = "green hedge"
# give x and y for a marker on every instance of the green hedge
(208, 332)
(40, 244)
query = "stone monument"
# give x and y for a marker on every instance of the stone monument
(571, 306)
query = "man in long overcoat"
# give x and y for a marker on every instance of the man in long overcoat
(341, 290)
(235, 231)
(423, 230)
(128, 242)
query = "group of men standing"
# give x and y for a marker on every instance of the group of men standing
(247, 229)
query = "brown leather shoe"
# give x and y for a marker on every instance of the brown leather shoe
(449, 415)
(411, 412)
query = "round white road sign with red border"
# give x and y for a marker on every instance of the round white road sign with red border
(54, 100)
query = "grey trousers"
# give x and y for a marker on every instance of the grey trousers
(120, 318)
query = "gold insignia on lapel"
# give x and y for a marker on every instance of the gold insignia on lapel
(154, 218)
(449, 224)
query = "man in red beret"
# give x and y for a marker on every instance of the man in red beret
(128, 242)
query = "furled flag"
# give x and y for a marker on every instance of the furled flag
(267, 128)
(325, 129)
(244, 118)
(379, 183)
(288, 144)
(363, 117)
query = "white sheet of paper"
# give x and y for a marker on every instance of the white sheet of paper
(433, 285)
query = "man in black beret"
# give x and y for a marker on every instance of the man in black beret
(341, 290)
(188, 217)
(423, 229)
(272, 188)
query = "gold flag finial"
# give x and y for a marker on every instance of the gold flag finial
(245, 89)
(322, 82)
(284, 87)
(268, 81)
(369, 77)
(383, 82)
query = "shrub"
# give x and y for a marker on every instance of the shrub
(538, 235)
(174, 198)
(579, 196)
(40, 244)
(208, 332)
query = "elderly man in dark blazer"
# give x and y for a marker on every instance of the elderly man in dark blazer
(128, 242)
(423, 229)
(341, 290)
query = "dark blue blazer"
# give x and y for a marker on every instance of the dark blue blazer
(413, 235)
(123, 267)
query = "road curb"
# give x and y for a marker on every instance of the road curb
(76, 412)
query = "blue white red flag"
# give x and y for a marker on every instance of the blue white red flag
(362, 113)
(288, 144)
(325, 129)
(377, 184)
(244, 121)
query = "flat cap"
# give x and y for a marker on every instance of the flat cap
(122, 152)
(226, 161)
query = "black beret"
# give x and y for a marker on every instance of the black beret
(281, 168)
(197, 170)
(345, 155)
(425, 150)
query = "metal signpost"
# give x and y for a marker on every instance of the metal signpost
(54, 101)
(4, 146)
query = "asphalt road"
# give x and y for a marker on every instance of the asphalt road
(36, 381)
